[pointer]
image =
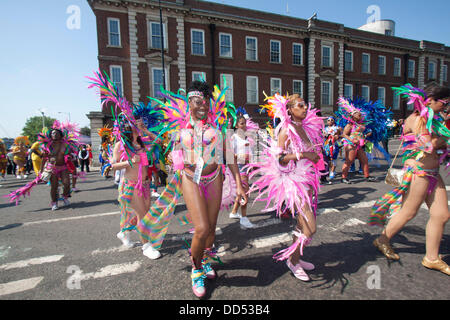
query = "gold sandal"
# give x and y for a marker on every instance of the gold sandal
(438, 264)
(386, 249)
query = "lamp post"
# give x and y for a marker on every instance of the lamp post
(162, 45)
(43, 118)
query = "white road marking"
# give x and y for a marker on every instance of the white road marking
(19, 286)
(366, 204)
(111, 270)
(271, 240)
(111, 250)
(71, 218)
(326, 210)
(30, 262)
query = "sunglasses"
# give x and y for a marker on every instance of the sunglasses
(446, 103)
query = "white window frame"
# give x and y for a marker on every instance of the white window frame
(256, 48)
(192, 41)
(383, 99)
(348, 85)
(330, 98)
(396, 99)
(368, 93)
(273, 89)
(229, 94)
(220, 45)
(150, 35)
(362, 62)
(399, 67)
(153, 79)
(351, 62)
(256, 89)
(413, 71)
(301, 54)
(270, 51)
(198, 73)
(108, 20)
(120, 88)
(301, 87)
(384, 65)
(331, 55)
(434, 70)
(445, 73)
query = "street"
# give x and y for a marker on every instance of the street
(73, 253)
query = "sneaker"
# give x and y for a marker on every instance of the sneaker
(18, 177)
(297, 270)
(207, 269)
(245, 223)
(149, 252)
(371, 179)
(155, 194)
(25, 176)
(345, 180)
(125, 238)
(66, 202)
(235, 215)
(332, 175)
(54, 206)
(74, 189)
(198, 283)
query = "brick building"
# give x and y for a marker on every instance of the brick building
(256, 52)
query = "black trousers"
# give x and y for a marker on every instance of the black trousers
(84, 163)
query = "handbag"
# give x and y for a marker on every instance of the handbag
(394, 177)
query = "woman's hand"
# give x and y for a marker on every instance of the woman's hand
(242, 195)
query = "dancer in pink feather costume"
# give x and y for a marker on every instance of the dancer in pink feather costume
(290, 173)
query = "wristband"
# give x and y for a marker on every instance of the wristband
(299, 155)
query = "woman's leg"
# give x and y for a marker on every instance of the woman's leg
(54, 180)
(66, 183)
(214, 190)
(364, 162)
(438, 204)
(350, 155)
(141, 205)
(411, 202)
(306, 226)
(198, 211)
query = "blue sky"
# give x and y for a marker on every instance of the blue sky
(44, 63)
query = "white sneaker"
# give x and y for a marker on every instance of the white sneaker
(246, 223)
(149, 252)
(155, 194)
(25, 176)
(19, 177)
(54, 206)
(125, 238)
(235, 215)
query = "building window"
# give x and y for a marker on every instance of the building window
(326, 96)
(251, 48)
(365, 93)
(382, 94)
(275, 51)
(157, 81)
(155, 35)
(252, 90)
(198, 42)
(198, 76)
(116, 78)
(326, 56)
(275, 86)
(297, 56)
(348, 66)
(396, 102)
(297, 87)
(348, 91)
(444, 73)
(225, 45)
(411, 68)
(114, 32)
(397, 67)
(432, 70)
(365, 63)
(410, 107)
(227, 79)
(381, 65)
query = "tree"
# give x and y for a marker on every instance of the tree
(33, 126)
(86, 131)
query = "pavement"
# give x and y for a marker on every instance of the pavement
(73, 253)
